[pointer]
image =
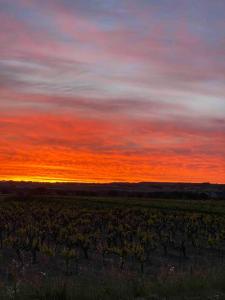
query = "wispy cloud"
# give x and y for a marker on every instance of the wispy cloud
(103, 87)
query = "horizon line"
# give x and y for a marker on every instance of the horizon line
(108, 182)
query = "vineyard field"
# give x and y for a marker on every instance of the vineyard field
(47, 238)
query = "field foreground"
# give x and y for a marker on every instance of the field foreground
(74, 247)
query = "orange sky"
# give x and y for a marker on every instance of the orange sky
(64, 148)
(102, 91)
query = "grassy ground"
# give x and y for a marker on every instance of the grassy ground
(122, 287)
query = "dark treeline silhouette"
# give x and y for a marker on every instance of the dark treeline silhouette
(195, 191)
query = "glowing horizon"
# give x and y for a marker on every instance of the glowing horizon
(112, 91)
(58, 180)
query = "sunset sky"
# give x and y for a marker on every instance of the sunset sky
(112, 90)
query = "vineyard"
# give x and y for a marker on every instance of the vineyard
(48, 238)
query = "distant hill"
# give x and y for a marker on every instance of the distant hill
(117, 189)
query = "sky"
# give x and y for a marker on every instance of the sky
(113, 90)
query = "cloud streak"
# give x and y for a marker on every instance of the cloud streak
(104, 91)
